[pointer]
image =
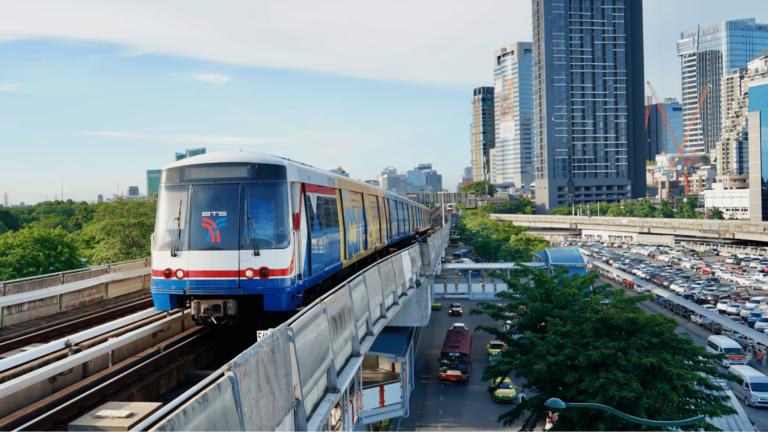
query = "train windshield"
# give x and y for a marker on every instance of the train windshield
(214, 217)
(171, 224)
(266, 218)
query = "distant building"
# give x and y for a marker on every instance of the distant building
(189, 153)
(481, 131)
(133, 191)
(467, 198)
(373, 183)
(511, 159)
(340, 171)
(732, 149)
(656, 132)
(707, 53)
(21, 204)
(733, 202)
(757, 121)
(153, 182)
(415, 178)
(100, 198)
(588, 89)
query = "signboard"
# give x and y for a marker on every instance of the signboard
(506, 106)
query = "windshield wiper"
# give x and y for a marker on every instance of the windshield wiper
(253, 236)
(176, 233)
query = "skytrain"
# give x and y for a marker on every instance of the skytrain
(239, 232)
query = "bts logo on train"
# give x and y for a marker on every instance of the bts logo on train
(213, 235)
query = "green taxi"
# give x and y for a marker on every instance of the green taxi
(495, 347)
(507, 392)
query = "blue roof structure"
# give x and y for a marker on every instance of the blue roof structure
(570, 258)
(391, 342)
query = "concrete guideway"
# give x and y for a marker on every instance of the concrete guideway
(307, 374)
(723, 229)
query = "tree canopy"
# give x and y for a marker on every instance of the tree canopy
(35, 251)
(642, 208)
(571, 347)
(479, 188)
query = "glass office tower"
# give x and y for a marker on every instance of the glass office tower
(512, 156)
(482, 134)
(758, 150)
(657, 132)
(588, 102)
(707, 55)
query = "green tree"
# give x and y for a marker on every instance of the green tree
(120, 230)
(704, 158)
(479, 188)
(521, 206)
(3, 229)
(665, 211)
(10, 220)
(615, 210)
(522, 246)
(644, 209)
(561, 211)
(717, 213)
(35, 251)
(572, 348)
(687, 210)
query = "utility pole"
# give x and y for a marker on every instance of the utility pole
(442, 205)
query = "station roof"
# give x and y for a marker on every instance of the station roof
(391, 342)
(563, 257)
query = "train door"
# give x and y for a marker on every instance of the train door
(354, 223)
(324, 228)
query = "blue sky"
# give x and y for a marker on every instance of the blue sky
(93, 94)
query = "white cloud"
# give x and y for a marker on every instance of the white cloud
(212, 78)
(195, 139)
(10, 87)
(450, 41)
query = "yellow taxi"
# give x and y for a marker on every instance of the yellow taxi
(495, 347)
(507, 392)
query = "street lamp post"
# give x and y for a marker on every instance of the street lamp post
(556, 403)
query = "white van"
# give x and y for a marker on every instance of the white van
(752, 385)
(725, 345)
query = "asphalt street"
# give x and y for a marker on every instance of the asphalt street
(440, 405)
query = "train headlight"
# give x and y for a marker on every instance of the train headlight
(264, 273)
(179, 274)
(250, 273)
(168, 273)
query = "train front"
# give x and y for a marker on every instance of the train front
(223, 244)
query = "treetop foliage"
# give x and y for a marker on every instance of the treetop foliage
(643, 208)
(568, 346)
(479, 188)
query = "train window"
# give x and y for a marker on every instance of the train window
(266, 218)
(172, 206)
(227, 171)
(213, 217)
(324, 212)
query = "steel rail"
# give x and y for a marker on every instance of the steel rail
(65, 342)
(48, 330)
(53, 369)
(116, 380)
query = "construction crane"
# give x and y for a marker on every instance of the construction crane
(686, 162)
(647, 113)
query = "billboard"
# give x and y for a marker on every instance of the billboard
(503, 89)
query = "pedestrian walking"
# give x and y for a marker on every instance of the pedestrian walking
(523, 397)
(759, 358)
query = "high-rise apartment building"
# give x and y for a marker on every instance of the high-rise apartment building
(708, 54)
(100, 198)
(481, 131)
(189, 153)
(153, 182)
(757, 121)
(588, 102)
(657, 134)
(732, 149)
(511, 159)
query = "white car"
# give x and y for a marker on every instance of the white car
(730, 260)
(734, 308)
(699, 319)
(722, 306)
(710, 307)
(741, 255)
(761, 325)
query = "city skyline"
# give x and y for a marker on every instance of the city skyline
(117, 95)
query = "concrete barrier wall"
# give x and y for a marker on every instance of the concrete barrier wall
(297, 371)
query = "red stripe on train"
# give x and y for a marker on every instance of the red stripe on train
(320, 190)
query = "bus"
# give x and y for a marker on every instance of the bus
(456, 355)
(449, 207)
(454, 242)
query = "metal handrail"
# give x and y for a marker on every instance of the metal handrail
(58, 274)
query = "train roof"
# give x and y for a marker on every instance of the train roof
(298, 170)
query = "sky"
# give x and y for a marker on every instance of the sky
(94, 93)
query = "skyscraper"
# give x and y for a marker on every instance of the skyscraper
(482, 133)
(153, 182)
(100, 198)
(133, 191)
(190, 153)
(656, 132)
(707, 54)
(757, 121)
(511, 159)
(588, 102)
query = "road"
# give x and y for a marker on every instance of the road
(439, 405)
